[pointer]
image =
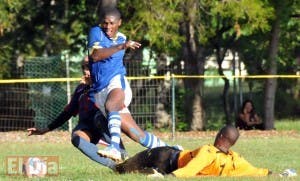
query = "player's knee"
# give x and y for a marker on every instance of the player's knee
(75, 140)
(113, 108)
(114, 105)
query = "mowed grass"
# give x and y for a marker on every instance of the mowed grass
(276, 150)
(288, 125)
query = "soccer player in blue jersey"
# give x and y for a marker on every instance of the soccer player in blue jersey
(112, 91)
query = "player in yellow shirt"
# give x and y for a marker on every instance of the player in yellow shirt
(208, 160)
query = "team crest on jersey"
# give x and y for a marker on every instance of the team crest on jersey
(96, 45)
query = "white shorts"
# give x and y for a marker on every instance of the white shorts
(116, 82)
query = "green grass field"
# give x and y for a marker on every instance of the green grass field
(276, 150)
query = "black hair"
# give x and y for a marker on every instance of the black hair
(244, 104)
(111, 12)
(84, 65)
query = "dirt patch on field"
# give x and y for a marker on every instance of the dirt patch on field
(64, 136)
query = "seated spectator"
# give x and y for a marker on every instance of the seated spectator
(247, 118)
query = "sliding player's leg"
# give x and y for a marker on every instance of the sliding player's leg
(132, 130)
(87, 134)
(163, 159)
(81, 140)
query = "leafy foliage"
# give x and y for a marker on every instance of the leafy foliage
(9, 10)
(154, 22)
(253, 14)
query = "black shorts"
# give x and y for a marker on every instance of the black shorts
(97, 126)
(163, 159)
(95, 134)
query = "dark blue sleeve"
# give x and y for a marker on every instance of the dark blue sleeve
(73, 106)
(70, 110)
(59, 120)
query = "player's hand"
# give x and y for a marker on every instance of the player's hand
(132, 44)
(36, 131)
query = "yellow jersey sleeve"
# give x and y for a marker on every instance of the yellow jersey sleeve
(243, 168)
(190, 163)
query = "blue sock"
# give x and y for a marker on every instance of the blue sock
(90, 150)
(151, 141)
(114, 127)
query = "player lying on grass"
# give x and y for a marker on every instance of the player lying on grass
(86, 134)
(207, 160)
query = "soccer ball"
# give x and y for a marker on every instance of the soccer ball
(288, 173)
(35, 167)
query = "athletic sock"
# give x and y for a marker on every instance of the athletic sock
(90, 150)
(114, 127)
(151, 141)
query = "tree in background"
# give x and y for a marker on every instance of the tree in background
(282, 16)
(44, 28)
(8, 23)
(273, 52)
(155, 24)
(208, 27)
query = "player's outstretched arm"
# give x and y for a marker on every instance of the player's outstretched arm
(99, 54)
(36, 131)
(57, 122)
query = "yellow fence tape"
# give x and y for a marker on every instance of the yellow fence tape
(37, 80)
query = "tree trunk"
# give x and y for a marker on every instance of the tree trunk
(163, 93)
(297, 87)
(271, 84)
(221, 49)
(197, 124)
(194, 64)
(220, 57)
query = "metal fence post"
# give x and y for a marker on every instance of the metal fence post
(67, 59)
(173, 106)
